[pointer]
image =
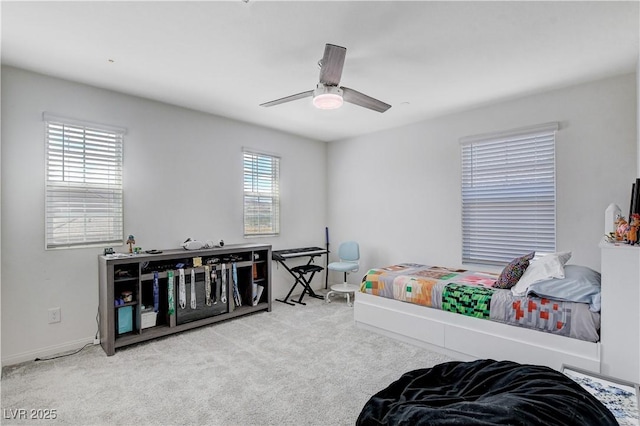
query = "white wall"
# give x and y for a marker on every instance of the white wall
(398, 192)
(182, 178)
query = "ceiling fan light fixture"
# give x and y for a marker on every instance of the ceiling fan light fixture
(327, 97)
(327, 101)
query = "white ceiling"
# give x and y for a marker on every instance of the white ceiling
(425, 58)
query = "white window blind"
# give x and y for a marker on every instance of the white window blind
(508, 194)
(261, 194)
(83, 184)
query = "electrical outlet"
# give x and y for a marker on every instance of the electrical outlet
(54, 315)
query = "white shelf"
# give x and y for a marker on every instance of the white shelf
(604, 244)
(620, 314)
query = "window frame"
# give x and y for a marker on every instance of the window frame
(497, 218)
(93, 196)
(265, 185)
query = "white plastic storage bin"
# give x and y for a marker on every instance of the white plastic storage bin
(148, 319)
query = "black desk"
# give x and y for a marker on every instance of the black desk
(299, 272)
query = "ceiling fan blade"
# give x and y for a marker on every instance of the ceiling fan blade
(288, 98)
(332, 64)
(355, 97)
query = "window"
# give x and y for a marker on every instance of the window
(261, 194)
(83, 184)
(508, 194)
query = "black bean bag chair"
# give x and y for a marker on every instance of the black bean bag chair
(485, 392)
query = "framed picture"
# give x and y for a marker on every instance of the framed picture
(622, 398)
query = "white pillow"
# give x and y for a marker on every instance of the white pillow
(540, 269)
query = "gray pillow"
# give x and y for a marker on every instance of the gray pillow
(580, 284)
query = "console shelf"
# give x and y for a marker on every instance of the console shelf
(132, 312)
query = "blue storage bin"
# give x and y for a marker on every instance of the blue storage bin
(125, 319)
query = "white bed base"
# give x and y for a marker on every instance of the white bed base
(467, 338)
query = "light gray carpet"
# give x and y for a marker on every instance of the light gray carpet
(297, 365)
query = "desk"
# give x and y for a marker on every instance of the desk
(299, 272)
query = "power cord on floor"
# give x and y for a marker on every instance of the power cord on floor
(62, 356)
(95, 339)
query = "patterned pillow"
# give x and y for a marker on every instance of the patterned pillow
(513, 271)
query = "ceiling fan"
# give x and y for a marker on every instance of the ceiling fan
(327, 94)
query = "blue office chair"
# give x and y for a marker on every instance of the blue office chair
(349, 254)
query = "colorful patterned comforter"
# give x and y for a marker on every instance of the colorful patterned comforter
(471, 293)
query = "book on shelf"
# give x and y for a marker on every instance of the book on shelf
(257, 293)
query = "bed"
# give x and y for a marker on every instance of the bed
(485, 392)
(549, 320)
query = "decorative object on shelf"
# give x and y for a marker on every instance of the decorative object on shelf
(234, 277)
(207, 285)
(214, 280)
(223, 290)
(192, 301)
(634, 205)
(632, 234)
(190, 244)
(622, 227)
(182, 290)
(258, 294)
(108, 250)
(156, 292)
(611, 214)
(131, 241)
(172, 305)
(127, 296)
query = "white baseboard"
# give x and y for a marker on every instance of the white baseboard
(45, 352)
